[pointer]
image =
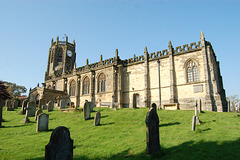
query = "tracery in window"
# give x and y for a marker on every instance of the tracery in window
(192, 71)
(101, 83)
(86, 85)
(72, 88)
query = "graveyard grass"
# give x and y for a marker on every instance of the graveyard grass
(122, 135)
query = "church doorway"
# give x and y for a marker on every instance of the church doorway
(136, 100)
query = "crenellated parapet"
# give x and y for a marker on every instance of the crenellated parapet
(188, 47)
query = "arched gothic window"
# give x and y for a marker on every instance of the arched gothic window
(192, 72)
(86, 85)
(101, 83)
(72, 88)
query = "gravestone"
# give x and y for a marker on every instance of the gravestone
(8, 105)
(91, 106)
(31, 106)
(43, 107)
(228, 104)
(38, 112)
(97, 119)
(196, 114)
(24, 106)
(50, 106)
(200, 105)
(193, 123)
(60, 146)
(234, 108)
(62, 104)
(42, 122)
(86, 110)
(1, 109)
(26, 119)
(14, 103)
(152, 133)
(112, 103)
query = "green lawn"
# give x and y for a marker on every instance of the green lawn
(122, 135)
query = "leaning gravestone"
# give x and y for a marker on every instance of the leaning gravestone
(24, 106)
(38, 112)
(8, 105)
(60, 146)
(152, 134)
(26, 119)
(97, 119)
(42, 122)
(86, 110)
(62, 104)
(50, 106)
(31, 108)
(14, 103)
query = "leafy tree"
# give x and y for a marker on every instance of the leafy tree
(3, 91)
(15, 90)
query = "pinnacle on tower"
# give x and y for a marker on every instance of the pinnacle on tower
(74, 42)
(66, 38)
(57, 38)
(202, 36)
(87, 61)
(116, 52)
(100, 57)
(146, 51)
(170, 44)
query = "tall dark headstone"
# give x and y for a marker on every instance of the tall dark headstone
(152, 133)
(31, 106)
(8, 105)
(50, 106)
(60, 146)
(193, 123)
(24, 106)
(1, 109)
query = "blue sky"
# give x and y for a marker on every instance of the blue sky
(101, 26)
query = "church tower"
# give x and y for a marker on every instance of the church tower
(61, 58)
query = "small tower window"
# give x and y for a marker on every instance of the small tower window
(86, 85)
(192, 72)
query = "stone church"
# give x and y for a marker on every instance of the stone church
(174, 78)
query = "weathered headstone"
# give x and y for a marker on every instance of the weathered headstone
(38, 112)
(152, 133)
(50, 106)
(42, 122)
(97, 119)
(60, 146)
(200, 106)
(112, 103)
(234, 108)
(31, 106)
(228, 104)
(14, 103)
(62, 104)
(193, 123)
(26, 119)
(8, 105)
(196, 114)
(24, 106)
(43, 107)
(86, 110)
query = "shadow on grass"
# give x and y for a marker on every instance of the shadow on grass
(169, 124)
(104, 124)
(12, 126)
(104, 116)
(188, 150)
